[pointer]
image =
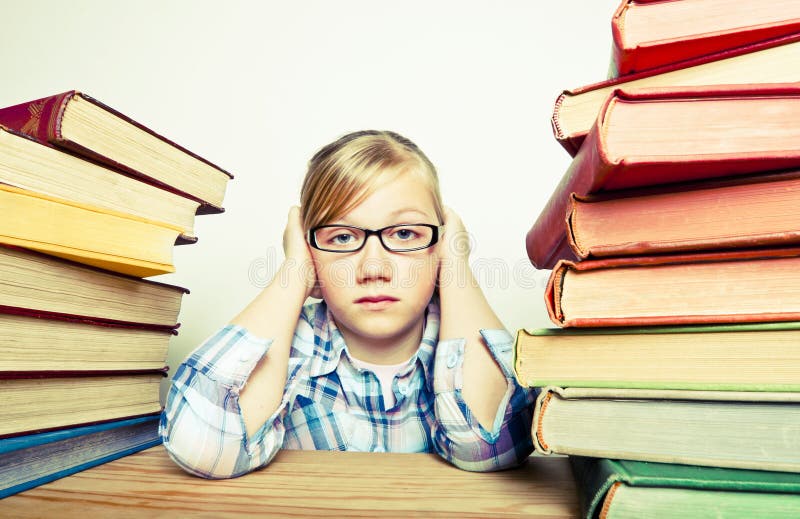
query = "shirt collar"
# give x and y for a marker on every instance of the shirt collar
(330, 346)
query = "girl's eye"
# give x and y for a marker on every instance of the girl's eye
(405, 234)
(342, 239)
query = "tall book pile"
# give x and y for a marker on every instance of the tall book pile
(673, 380)
(92, 203)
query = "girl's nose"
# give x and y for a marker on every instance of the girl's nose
(374, 261)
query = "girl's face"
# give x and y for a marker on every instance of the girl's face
(373, 293)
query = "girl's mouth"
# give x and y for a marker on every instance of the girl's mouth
(376, 302)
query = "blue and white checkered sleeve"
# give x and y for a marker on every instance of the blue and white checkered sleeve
(458, 436)
(202, 426)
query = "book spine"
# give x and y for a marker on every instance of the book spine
(617, 36)
(552, 292)
(39, 119)
(542, 401)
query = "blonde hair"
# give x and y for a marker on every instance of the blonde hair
(345, 172)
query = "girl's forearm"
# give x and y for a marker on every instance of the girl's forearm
(272, 314)
(464, 312)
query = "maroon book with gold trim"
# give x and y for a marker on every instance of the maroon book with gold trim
(81, 124)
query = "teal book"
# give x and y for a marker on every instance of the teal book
(618, 489)
(35, 459)
(731, 357)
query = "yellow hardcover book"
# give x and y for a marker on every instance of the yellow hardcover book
(86, 234)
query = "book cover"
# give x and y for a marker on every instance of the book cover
(747, 430)
(654, 137)
(728, 357)
(29, 461)
(35, 284)
(27, 441)
(79, 123)
(771, 61)
(751, 211)
(29, 164)
(652, 33)
(41, 401)
(739, 286)
(623, 488)
(91, 235)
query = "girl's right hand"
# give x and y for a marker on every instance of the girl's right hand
(298, 253)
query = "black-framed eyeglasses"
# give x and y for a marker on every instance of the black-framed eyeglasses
(394, 238)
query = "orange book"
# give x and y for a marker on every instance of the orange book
(651, 33)
(704, 288)
(772, 61)
(667, 136)
(762, 210)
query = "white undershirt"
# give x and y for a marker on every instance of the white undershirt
(385, 374)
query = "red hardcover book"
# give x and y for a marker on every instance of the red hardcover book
(652, 33)
(665, 136)
(83, 125)
(39, 401)
(705, 288)
(742, 212)
(771, 61)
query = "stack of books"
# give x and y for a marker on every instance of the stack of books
(674, 244)
(92, 203)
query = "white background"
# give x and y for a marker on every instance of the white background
(258, 87)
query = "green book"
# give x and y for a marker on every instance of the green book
(618, 489)
(734, 357)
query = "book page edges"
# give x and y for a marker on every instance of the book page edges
(676, 394)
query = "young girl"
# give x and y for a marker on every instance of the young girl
(385, 362)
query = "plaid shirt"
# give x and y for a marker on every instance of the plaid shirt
(329, 404)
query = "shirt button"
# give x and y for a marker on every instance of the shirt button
(403, 389)
(452, 360)
(245, 356)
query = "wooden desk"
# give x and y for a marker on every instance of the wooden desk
(304, 483)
